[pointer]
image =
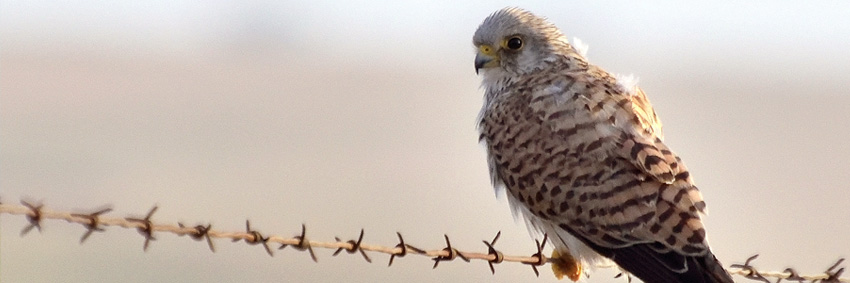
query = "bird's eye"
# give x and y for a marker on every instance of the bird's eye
(514, 43)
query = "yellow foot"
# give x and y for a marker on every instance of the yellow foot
(565, 265)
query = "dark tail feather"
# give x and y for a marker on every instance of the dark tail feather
(652, 266)
(714, 271)
(649, 263)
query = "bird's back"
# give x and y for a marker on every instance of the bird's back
(569, 147)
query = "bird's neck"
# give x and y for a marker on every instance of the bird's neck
(495, 80)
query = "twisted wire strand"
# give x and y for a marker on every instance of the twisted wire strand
(96, 222)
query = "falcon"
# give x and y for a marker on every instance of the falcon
(581, 155)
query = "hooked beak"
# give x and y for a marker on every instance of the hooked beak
(486, 57)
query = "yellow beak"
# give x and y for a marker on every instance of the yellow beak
(486, 58)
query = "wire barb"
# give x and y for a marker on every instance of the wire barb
(303, 243)
(751, 272)
(793, 276)
(34, 218)
(93, 225)
(147, 229)
(255, 238)
(404, 249)
(834, 276)
(355, 247)
(498, 257)
(201, 232)
(452, 254)
(541, 259)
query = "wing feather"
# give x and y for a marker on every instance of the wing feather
(584, 156)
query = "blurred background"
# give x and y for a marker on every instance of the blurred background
(360, 114)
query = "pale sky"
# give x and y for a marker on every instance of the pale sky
(362, 115)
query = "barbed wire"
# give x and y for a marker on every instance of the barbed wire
(95, 221)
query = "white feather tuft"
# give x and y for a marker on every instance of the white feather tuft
(580, 47)
(628, 83)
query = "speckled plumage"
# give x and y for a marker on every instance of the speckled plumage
(582, 156)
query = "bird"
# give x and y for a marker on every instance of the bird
(581, 156)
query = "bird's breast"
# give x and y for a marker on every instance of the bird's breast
(542, 148)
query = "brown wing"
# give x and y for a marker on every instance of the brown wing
(642, 140)
(583, 157)
(647, 119)
(590, 159)
(650, 227)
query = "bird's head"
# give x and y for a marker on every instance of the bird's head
(513, 41)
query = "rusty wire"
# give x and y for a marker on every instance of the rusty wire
(96, 222)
